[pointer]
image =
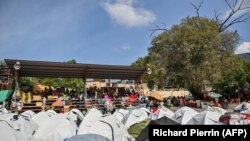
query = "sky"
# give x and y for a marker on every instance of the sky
(115, 32)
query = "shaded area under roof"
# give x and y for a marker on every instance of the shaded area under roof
(78, 70)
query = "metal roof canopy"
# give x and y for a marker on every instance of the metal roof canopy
(78, 70)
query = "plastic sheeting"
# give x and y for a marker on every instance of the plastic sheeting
(40, 118)
(122, 115)
(57, 128)
(205, 118)
(136, 116)
(109, 127)
(184, 114)
(88, 137)
(92, 116)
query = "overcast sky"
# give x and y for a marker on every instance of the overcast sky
(95, 31)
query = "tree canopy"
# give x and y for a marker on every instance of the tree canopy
(192, 55)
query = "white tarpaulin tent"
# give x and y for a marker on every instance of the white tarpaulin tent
(9, 134)
(239, 107)
(6, 133)
(57, 128)
(184, 114)
(137, 115)
(122, 115)
(245, 111)
(74, 114)
(88, 137)
(205, 118)
(217, 109)
(3, 111)
(165, 112)
(51, 113)
(28, 114)
(92, 116)
(109, 127)
(40, 118)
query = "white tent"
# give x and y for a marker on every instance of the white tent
(40, 118)
(136, 116)
(165, 112)
(57, 128)
(92, 116)
(76, 116)
(245, 111)
(3, 111)
(88, 137)
(28, 114)
(26, 127)
(51, 113)
(239, 107)
(184, 114)
(217, 109)
(109, 127)
(205, 118)
(9, 134)
(6, 133)
(145, 109)
(121, 114)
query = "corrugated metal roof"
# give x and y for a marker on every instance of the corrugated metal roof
(78, 70)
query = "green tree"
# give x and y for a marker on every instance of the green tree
(192, 54)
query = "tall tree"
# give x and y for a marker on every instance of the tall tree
(193, 54)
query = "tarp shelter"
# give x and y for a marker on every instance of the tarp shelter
(184, 114)
(109, 127)
(7, 133)
(144, 133)
(58, 102)
(137, 115)
(28, 114)
(76, 116)
(137, 128)
(214, 95)
(57, 128)
(20, 126)
(51, 113)
(217, 109)
(156, 96)
(240, 106)
(88, 137)
(40, 118)
(121, 114)
(92, 116)
(4, 94)
(205, 118)
(161, 113)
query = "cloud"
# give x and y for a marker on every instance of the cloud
(243, 48)
(246, 3)
(125, 12)
(125, 47)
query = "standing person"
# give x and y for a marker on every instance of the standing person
(225, 104)
(44, 103)
(169, 103)
(154, 112)
(19, 104)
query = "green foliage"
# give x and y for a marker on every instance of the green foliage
(192, 55)
(75, 83)
(27, 81)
